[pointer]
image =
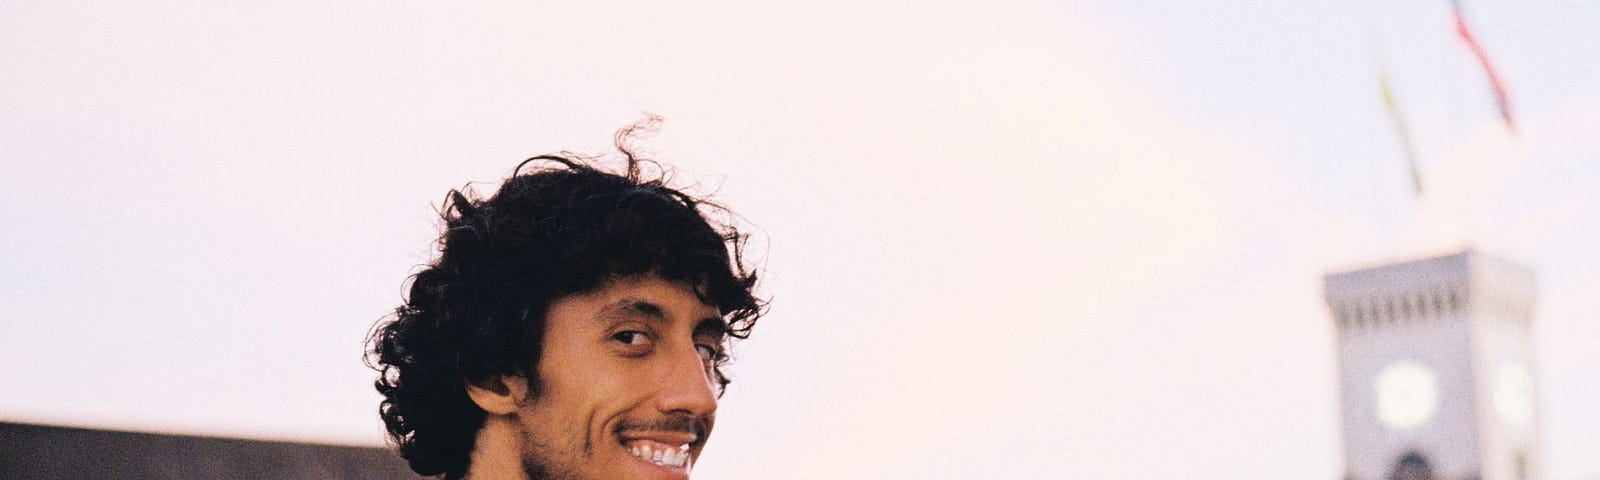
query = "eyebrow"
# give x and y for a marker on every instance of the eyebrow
(710, 325)
(629, 307)
(713, 326)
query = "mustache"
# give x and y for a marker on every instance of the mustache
(672, 423)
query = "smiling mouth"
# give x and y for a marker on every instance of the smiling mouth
(659, 453)
(669, 443)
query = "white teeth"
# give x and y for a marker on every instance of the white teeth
(670, 457)
(674, 458)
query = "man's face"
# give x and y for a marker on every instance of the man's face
(626, 383)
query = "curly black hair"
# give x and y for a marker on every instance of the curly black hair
(562, 228)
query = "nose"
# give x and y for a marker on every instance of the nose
(685, 384)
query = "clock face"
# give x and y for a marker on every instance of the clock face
(1408, 394)
(1513, 393)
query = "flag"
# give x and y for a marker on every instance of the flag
(1401, 131)
(1501, 101)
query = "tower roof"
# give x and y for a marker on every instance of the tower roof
(1459, 282)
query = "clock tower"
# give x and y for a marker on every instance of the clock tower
(1435, 369)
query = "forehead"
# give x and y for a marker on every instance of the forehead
(639, 296)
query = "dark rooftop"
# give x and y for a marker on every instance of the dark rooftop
(47, 452)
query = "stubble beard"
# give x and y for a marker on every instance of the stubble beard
(534, 462)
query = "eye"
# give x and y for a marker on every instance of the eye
(707, 353)
(632, 338)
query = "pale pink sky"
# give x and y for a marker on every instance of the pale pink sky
(1004, 240)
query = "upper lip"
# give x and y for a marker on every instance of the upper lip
(668, 438)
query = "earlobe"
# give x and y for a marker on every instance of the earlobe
(499, 394)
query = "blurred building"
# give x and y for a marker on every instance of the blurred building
(47, 453)
(1435, 369)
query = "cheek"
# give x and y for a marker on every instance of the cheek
(616, 380)
(579, 406)
(548, 425)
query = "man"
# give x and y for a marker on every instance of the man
(574, 326)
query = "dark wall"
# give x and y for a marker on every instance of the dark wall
(45, 452)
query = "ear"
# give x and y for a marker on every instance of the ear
(499, 394)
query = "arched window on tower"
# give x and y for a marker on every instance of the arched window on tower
(1412, 466)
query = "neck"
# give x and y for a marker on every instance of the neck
(496, 454)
